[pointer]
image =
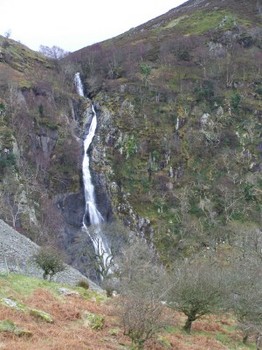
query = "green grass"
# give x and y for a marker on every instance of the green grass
(175, 22)
(231, 344)
(172, 329)
(19, 286)
(11, 327)
(226, 336)
(200, 22)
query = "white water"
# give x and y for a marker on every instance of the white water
(101, 248)
(78, 84)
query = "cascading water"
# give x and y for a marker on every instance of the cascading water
(100, 245)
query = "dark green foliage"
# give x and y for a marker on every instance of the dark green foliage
(259, 90)
(183, 55)
(94, 321)
(249, 192)
(49, 260)
(83, 284)
(6, 161)
(2, 108)
(205, 91)
(235, 100)
(41, 110)
(145, 69)
(246, 40)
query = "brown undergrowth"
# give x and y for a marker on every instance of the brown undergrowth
(69, 330)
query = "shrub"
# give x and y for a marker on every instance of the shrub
(142, 287)
(235, 100)
(183, 55)
(205, 91)
(259, 90)
(49, 260)
(196, 289)
(94, 321)
(145, 69)
(2, 108)
(6, 161)
(83, 284)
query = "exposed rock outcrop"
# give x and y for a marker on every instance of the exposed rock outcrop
(16, 253)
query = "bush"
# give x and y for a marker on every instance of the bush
(49, 260)
(205, 91)
(235, 100)
(259, 90)
(197, 289)
(94, 321)
(183, 55)
(83, 284)
(6, 161)
(142, 287)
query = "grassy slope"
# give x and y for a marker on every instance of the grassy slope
(70, 330)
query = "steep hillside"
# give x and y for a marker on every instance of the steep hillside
(42, 122)
(39, 149)
(177, 153)
(179, 100)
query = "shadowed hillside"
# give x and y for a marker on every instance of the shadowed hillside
(177, 153)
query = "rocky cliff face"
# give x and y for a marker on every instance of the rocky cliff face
(179, 133)
(177, 152)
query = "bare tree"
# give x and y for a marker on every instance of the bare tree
(247, 305)
(53, 52)
(244, 283)
(7, 34)
(197, 289)
(143, 286)
(12, 200)
(49, 221)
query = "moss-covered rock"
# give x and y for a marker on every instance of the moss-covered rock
(41, 315)
(13, 304)
(10, 327)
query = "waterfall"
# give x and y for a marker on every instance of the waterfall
(78, 84)
(99, 241)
